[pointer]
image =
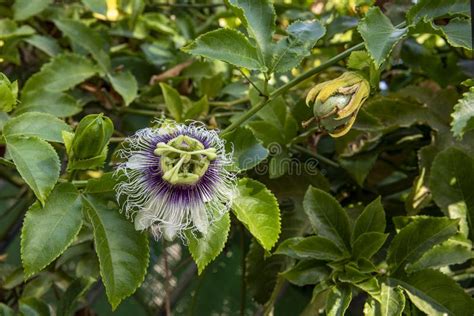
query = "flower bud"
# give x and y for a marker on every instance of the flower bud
(336, 102)
(8, 93)
(91, 136)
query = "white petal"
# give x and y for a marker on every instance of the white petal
(200, 220)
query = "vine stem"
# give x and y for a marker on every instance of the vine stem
(284, 88)
(317, 156)
(276, 93)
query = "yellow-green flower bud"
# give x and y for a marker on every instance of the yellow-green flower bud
(8, 93)
(336, 102)
(92, 135)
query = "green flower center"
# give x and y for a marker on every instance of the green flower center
(184, 160)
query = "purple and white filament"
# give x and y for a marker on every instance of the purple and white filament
(170, 209)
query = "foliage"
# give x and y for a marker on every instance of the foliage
(360, 203)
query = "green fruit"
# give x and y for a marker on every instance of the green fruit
(339, 100)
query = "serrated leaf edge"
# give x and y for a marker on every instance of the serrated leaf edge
(48, 191)
(22, 243)
(116, 303)
(274, 199)
(201, 268)
(377, 65)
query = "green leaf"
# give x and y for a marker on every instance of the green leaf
(205, 249)
(259, 17)
(452, 183)
(257, 208)
(463, 115)
(379, 34)
(31, 306)
(289, 51)
(9, 30)
(430, 9)
(338, 300)
(125, 84)
(173, 101)
(436, 294)
(47, 231)
(122, 251)
(317, 247)
(261, 273)
(42, 125)
(8, 94)
(45, 43)
(286, 248)
(248, 151)
(277, 124)
(76, 289)
(367, 244)
(455, 250)
(226, 45)
(87, 38)
(63, 72)
(359, 166)
(417, 238)
(6, 311)
(24, 9)
(106, 183)
(359, 60)
(391, 302)
(372, 219)
(327, 217)
(197, 109)
(37, 162)
(457, 32)
(55, 103)
(307, 272)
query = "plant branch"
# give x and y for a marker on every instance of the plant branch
(190, 5)
(253, 84)
(139, 112)
(276, 93)
(284, 88)
(228, 103)
(317, 156)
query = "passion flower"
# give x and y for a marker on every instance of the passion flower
(336, 102)
(175, 179)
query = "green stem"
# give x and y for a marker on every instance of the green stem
(317, 156)
(262, 93)
(7, 163)
(276, 93)
(139, 112)
(228, 103)
(72, 175)
(295, 82)
(77, 183)
(116, 139)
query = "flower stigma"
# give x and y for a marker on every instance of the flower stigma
(184, 160)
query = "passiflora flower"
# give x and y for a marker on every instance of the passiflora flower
(174, 178)
(336, 102)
